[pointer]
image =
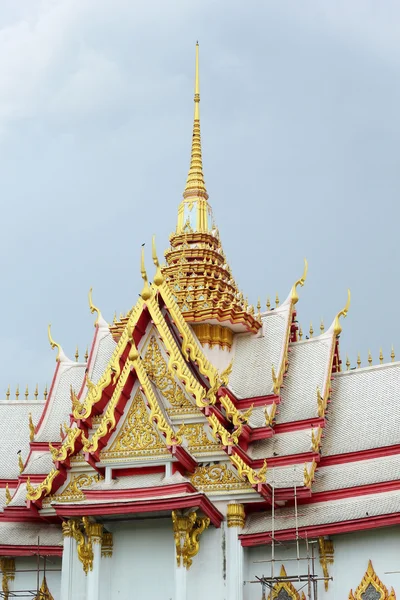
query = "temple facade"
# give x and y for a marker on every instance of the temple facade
(204, 448)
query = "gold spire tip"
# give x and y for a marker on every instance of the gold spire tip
(146, 292)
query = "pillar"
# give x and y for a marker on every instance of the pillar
(67, 562)
(93, 577)
(234, 552)
(187, 530)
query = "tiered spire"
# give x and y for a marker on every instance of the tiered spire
(195, 194)
(197, 270)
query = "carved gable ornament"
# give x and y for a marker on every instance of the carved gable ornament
(372, 588)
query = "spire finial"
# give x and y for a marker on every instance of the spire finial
(146, 292)
(158, 277)
(195, 193)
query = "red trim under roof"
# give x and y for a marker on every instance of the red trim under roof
(258, 539)
(8, 550)
(147, 505)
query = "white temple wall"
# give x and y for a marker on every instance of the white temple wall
(142, 564)
(207, 575)
(28, 580)
(79, 579)
(351, 555)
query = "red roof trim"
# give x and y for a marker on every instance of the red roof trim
(352, 492)
(144, 492)
(338, 459)
(257, 539)
(143, 506)
(298, 425)
(290, 459)
(8, 550)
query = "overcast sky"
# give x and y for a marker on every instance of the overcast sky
(300, 106)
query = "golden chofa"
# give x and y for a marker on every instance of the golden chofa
(197, 271)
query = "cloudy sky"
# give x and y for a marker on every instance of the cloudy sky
(300, 105)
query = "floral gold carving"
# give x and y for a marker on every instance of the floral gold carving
(7, 567)
(235, 515)
(187, 531)
(157, 371)
(216, 477)
(136, 433)
(325, 557)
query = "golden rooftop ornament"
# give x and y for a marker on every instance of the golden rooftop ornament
(8, 495)
(300, 333)
(20, 463)
(369, 358)
(77, 354)
(392, 354)
(322, 326)
(36, 392)
(268, 304)
(311, 330)
(337, 328)
(54, 344)
(277, 300)
(146, 292)
(17, 392)
(301, 282)
(8, 393)
(31, 428)
(26, 393)
(358, 360)
(93, 308)
(158, 277)
(347, 362)
(380, 356)
(86, 354)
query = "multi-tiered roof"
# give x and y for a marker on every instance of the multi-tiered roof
(151, 421)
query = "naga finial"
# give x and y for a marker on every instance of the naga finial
(146, 291)
(337, 328)
(158, 277)
(31, 428)
(301, 281)
(93, 308)
(54, 344)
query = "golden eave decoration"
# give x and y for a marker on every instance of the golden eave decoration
(287, 586)
(187, 531)
(293, 294)
(371, 579)
(337, 328)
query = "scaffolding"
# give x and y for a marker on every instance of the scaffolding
(41, 570)
(309, 579)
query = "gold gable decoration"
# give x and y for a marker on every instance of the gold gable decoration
(136, 435)
(217, 477)
(157, 371)
(371, 582)
(73, 490)
(286, 587)
(44, 592)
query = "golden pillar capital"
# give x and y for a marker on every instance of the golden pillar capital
(235, 515)
(187, 530)
(107, 545)
(95, 532)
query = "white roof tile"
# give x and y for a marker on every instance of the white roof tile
(321, 513)
(308, 369)
(59, 403)
(352, 474)
(255, 354)
(364, 410)
(29, 534)
(282, 444)
(40, 463)
(105, 348)
(14, 434)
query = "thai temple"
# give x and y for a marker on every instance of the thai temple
(204, 448)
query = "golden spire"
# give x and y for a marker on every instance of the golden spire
(369, 358)
(8, 392)
(17, 392)
(86, 354)
(268, 304)
(392, 354)
(311, 330)
(348, 364)
(146, 292)
(45, 392)
(358, 360)
(36, 393)
(195, 189)
(380, 356)
(277, 300)
(300, 333)
(26, 393)
(322, 326)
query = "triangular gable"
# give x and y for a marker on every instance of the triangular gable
(135, 435)
(71, 490)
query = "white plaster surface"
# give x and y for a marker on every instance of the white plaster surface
(28, 580)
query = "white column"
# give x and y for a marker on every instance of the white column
(93, 577)
(67, 562)
(234, 552)
(180, 582)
